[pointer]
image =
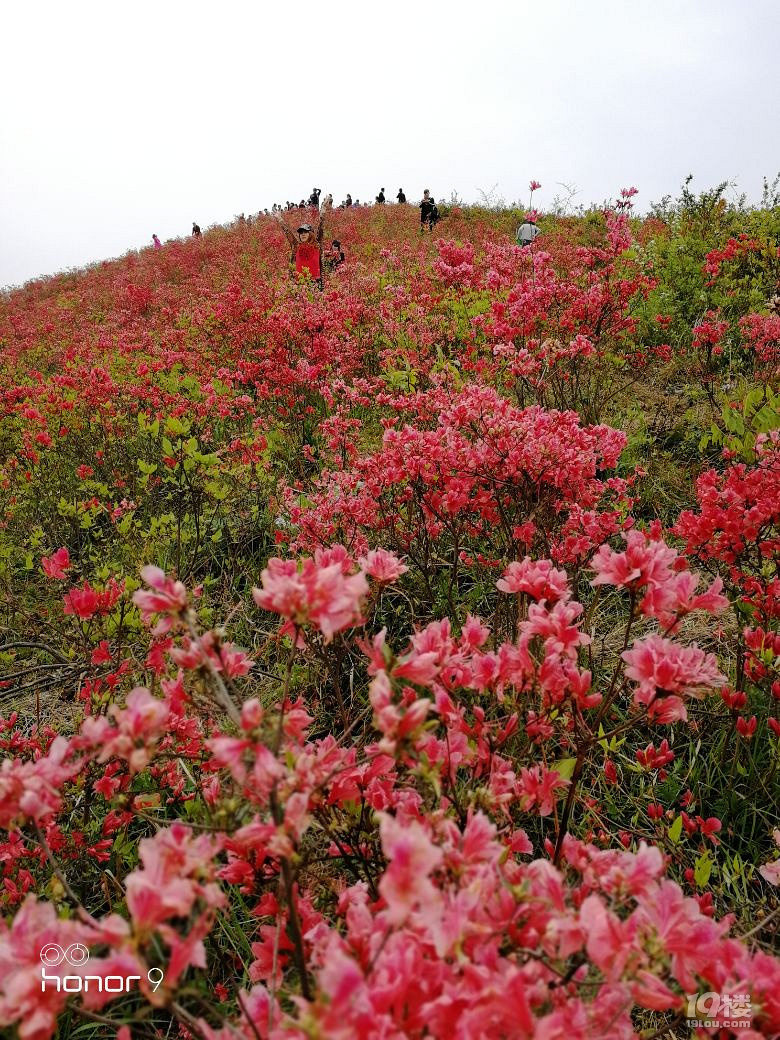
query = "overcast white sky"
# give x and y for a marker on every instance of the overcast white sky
(123, 119)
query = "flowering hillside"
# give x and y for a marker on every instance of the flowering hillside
(402, 659)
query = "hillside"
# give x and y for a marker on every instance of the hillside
(400, 659)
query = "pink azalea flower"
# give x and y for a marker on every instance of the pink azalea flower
(382, 565)
(664, 670)
(33, 790)
(86, 602)
(539, 579)
(168, 882)
(134, 732)
(24, 1002)
(210, 649)
(412, 856)
(83, 602)
(539, 787)
(165, 597)
(57, 564)
(652, 566)
(34, 927)
(102, 653)
(609, 940)
(321, 595)
(771, 871)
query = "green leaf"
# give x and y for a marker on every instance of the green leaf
(565, 767)
(702, 868)
(766, 419)
(675, 830)
(216, 490)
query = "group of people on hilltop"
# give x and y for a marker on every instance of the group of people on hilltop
(306, 253)
(429, 210)
(306, 256)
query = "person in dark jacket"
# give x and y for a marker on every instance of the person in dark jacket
(335, 256)
(380, 199)
(427, 210)
(195, 229)
(401, 197)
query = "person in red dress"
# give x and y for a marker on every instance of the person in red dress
(306, 247)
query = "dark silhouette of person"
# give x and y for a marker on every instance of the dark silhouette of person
(314, 198)
(196, 229)
(348, 201)
(401, 197)
(380, 199)
(427, 209)
(335, 255)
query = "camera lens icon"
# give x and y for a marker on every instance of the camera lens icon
(53, 954)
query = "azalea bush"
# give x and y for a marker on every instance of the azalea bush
(396, 660)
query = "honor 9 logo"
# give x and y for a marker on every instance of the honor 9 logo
(77, 955)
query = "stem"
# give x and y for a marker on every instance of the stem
(221, 694)
(85, 914)
(293, 920)
(285, 696)
(575, 779)
(189, 1021)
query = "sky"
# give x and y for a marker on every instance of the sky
(124, 119)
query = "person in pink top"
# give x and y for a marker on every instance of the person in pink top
(157, 242)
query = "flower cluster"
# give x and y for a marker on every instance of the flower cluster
(430, 714)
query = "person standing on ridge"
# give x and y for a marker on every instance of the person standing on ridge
(401, 197)
(314, 198)
(427, 210)
(380, 199)
(195, 229)
(348, 200)
(527, 233)
(157, 242)
(306, 248)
